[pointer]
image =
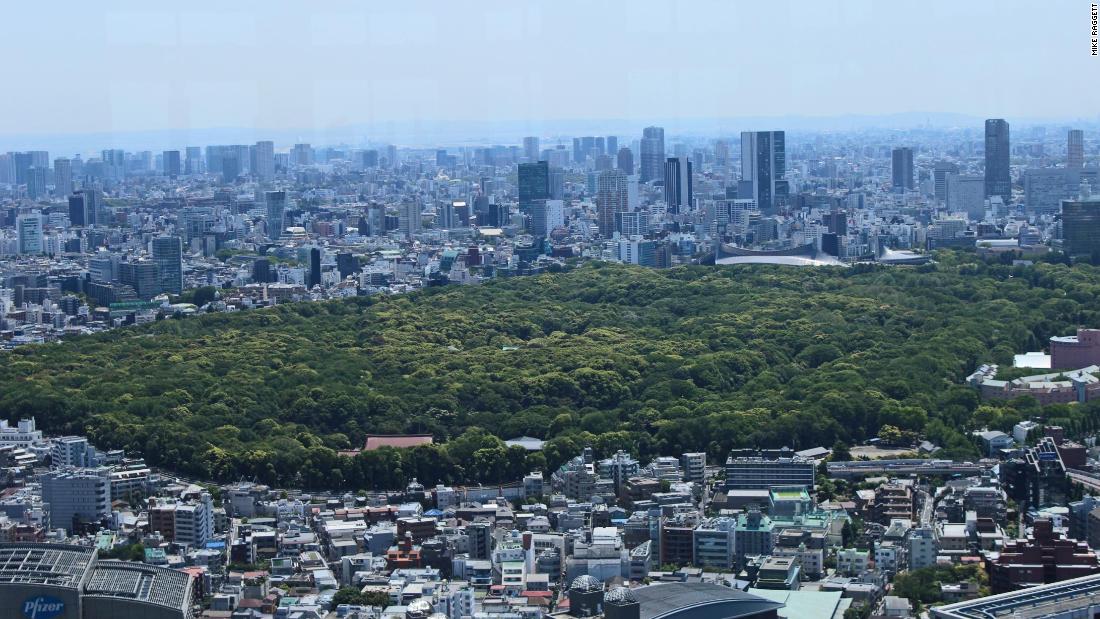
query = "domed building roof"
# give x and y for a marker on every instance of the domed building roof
(619, 595)
(586, 584)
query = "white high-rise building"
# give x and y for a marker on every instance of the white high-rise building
(265, 161)
(29, 228)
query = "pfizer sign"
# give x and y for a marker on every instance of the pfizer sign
(42, 607)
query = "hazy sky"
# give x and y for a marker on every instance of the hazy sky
(116, 65)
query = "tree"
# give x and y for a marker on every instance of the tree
(841, 453)
(889, 435)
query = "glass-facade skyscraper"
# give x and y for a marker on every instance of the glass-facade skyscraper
(168, 256)
(998, 180)
(534, 183)
(763, 168)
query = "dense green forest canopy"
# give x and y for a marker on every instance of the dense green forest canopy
(618, 357)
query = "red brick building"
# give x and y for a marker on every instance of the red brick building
(1043, 558)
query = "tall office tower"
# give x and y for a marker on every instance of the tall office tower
(678, 194)
(62, 176)
(114, 163)
(939, 178)
(346, 264)
(998, 179)
(611, 198)
(626, 161)
(763, 166)
(36, 182)
(392, 161)
(557, 184)
(722, 152)
(1081, 226)
(21, 163)
(231, 165)
(534, 183)
(600, 145)
(28, 228)
(77, 215)
(546, 216)
(168, 256)
(7, 168)
(409, 218)
(531, 148)
(265, 161)
(40, 159)
(445, 214)
(652, 158)
(276, 210)
(193, 163)
(313, 275)
(578, 154)
(301, 154)
(1075, 149)
(612, 145)
(368, 159)
(172, 167)
(376, 221)
(903, 169)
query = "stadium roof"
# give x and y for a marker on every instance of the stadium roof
(1039, 601)
(58, 565)
(144, 583)
(683, 600)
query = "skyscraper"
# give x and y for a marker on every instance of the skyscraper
(678, 192)
(531, 148)
(168, 256)
(36, 182)
(611, 198)
(903, 169)
(62, 177)
(653, 154)
(409, 218)
(313, 275)
(939, 178)
(1081, 226)
(347, 264)
(77, 216)
(763, 166)
(545, 216)
(612, 145)
(172, 166)
(193, 164)
(28, 227)
(998, 180)
(626, 161)
(534, 183)
(265, 161)
(276, 209)
(1075, 149)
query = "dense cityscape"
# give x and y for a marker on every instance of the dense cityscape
(340, 311)
(130, 237)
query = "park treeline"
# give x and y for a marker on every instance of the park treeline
(655, 362)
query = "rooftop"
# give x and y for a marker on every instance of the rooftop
(144, 583)
(58, 565)
(682, 600)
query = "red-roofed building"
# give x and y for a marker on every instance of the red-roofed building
(398, 441)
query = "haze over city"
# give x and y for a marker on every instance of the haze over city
(428, 70)
(550, 310)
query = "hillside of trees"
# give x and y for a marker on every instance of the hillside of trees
(654, 362)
